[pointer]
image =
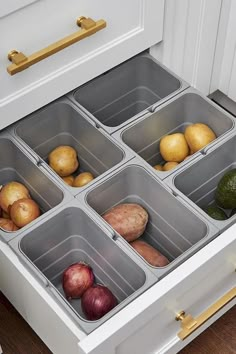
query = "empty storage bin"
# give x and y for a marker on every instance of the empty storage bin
(17, 166)
(198, 182)
(61, 123)
(71, 236)
(189, 107)
(173, 228)
(124, 93)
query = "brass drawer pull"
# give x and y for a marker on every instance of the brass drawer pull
(190, 324)
(21, 61)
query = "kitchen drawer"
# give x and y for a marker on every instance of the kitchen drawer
(147, 324)
(35, 24)
(144, 323)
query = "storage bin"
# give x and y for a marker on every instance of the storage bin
(127, 91)
(197, 183)
(16, 165)
(61, 123)
(71, 236)
(189, 107)
(174, 228)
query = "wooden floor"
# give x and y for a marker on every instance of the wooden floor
(16, 337)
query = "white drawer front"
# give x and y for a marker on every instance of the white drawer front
(146, 325)
(131, 27)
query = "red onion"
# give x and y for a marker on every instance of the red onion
(77, 278)
(97, 301)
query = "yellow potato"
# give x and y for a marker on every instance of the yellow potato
(69, 180)
(158, 167)
(63, 160)
(198, 136)
(82, 179)
(174, 147)
(186, 158)
(169, 166)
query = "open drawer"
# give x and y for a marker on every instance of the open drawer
(37, 29)
(147, 324)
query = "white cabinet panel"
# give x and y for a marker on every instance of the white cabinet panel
(131, 28)
(9, 6)
(227, 81)
(189, 40)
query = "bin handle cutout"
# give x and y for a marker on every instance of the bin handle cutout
(190, 324)
(21, 62)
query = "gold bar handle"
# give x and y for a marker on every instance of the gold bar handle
(21, 62)
(190, 324)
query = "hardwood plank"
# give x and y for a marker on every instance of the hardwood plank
(16, 336)
(225, 328)
(207, 343)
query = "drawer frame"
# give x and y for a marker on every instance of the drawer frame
(34, 303)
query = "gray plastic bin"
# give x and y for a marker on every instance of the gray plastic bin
(197, 183)
(71, 236)
(175, 229)
(16, 165)
(61, 123)
(189, 107)
(127, 91)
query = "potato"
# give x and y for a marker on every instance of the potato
(128, 219)
(169, 166)
(198, 136)
(149, 253)
(174, 147)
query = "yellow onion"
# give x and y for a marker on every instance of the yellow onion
(5, 215)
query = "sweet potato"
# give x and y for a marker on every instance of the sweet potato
(128, 219)
(149, 253)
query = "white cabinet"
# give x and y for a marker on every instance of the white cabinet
(224, 77)
(130, 29)
(199, 44)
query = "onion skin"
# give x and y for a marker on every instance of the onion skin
(76, 279)
(8, 225)
(97, 301)
(23, 211)
(5, 215)
(12, 192)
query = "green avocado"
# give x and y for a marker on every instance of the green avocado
(233, 212)
(226, 190)
(215, 213)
